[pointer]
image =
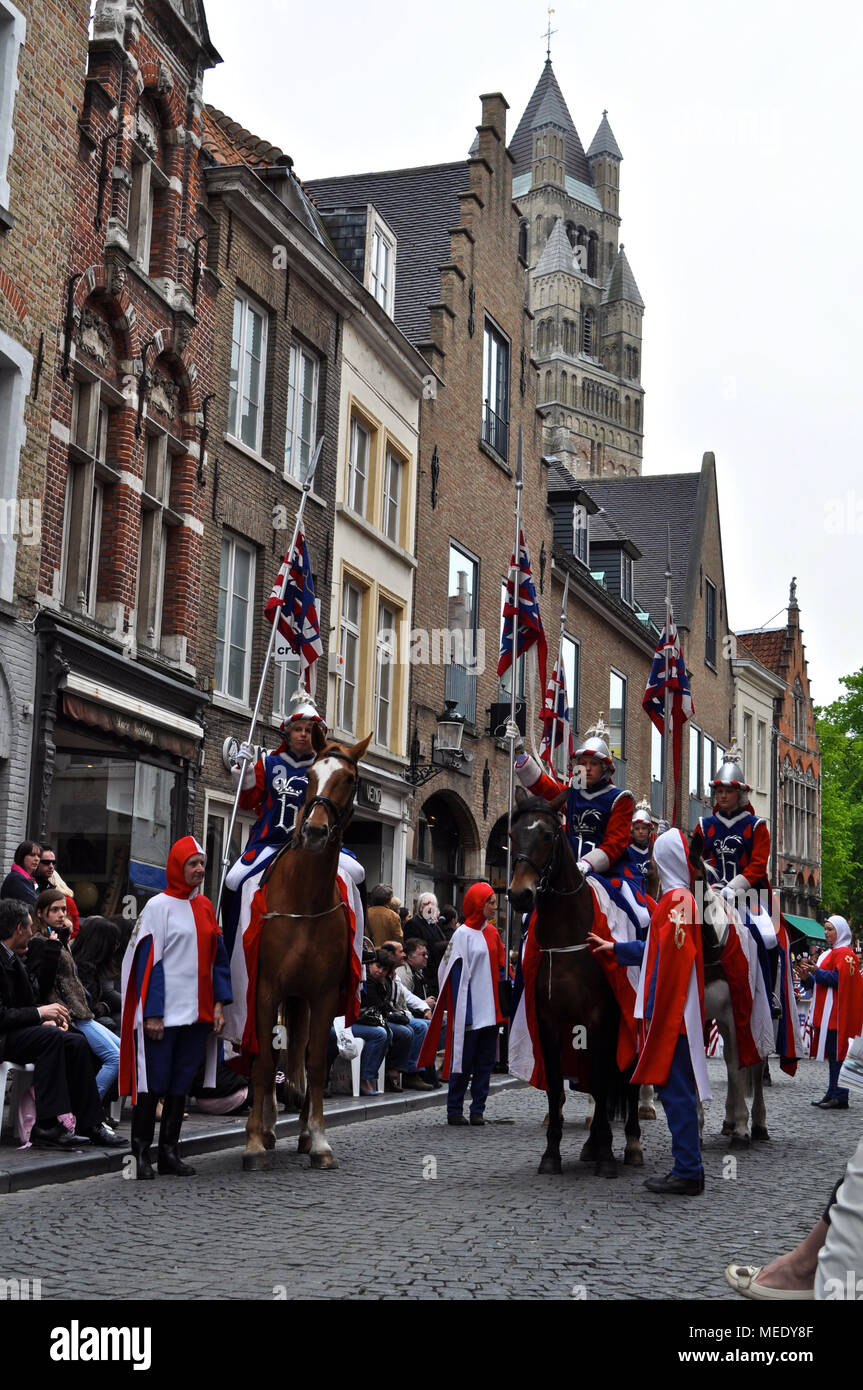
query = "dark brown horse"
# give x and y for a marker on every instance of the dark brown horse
(304, 958)
(574, 1001)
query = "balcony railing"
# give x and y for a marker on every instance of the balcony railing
(495, 431)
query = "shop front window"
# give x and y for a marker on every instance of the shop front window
(113, 821)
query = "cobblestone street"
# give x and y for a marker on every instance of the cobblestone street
(420, 1210)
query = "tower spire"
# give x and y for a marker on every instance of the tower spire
(547, 36)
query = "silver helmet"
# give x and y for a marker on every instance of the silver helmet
(642, 814)
(594, 744)
(730, 771)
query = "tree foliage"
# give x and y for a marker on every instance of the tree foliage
(840, 734)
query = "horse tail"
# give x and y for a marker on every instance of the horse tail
(297, 1024)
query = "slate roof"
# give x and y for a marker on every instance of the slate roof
(621, 283)
(603, 141)
(548, 103)
(421, 205)
(557, 253)
(639, 509)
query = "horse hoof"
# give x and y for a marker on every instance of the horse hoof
(635, 1159)
(549, 1164)
(727, 1129)
(588, 1154)
(759, 1134)
(269, 1140)
(304, 1144)
(260, 1161)
(739, 1141)
(646, 1112)
(324, 1161)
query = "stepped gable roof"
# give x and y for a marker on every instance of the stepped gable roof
(603, 141)
(228, 142)
(639, 508)
(548, 104)
(557, 253)
(421, 205)
(621, 283)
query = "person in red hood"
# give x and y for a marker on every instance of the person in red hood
(176, 979)
(472, 966)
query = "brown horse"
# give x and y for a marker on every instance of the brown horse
(571, 986)
(304, 958)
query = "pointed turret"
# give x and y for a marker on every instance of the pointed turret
(604, 158)
(557, 255)
(620, 284)
(547, 106)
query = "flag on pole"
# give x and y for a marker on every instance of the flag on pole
(681, 706)
(293, 599)
(555, 719)
(530, 629)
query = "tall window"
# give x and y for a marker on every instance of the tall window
(462, 608)
(694, 761)
(285, 682)
(358, 465)
(381, 275)
(626, 577)
(747, 747)
(248, 373)
(234, 623)
(570, 669)
(13, 28)
(589, 334)
(15, 373)
(392, 518)
(504, 690)
(384, 681)
(156, 517)
(495, 378)
(350, 632)
(580, 532)
(709, 756)
(617, 715)
(141, 208)
(709, 622)
(761, 756)
(88, 476)
(302, 412)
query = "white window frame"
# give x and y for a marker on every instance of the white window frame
(350, 639)
(227, 640)
(386, 656)
(358, 478)
(285, 682)
(15, 370)
(382, 267)
(761, 755)
(626, 584)
(580, 528)
(239, 368)
(156, 518)
(391, 521)
(621, 747)
(496, 363)
(87, 472)
(13, 30)
(299, 450)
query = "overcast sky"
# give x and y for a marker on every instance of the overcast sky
(741, 204)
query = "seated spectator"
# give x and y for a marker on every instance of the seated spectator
(386, 1026)
(229, 1096)
(47, 875)
(49, 916)
(20, 882)
(412, 971)
(381, 921)
(30, 1032)
(407, 1010)
(95, 950)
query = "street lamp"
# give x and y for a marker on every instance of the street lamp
(789, 876)
(447, 752)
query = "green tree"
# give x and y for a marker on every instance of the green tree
(840, 733)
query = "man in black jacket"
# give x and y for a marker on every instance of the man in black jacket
(64, 1081)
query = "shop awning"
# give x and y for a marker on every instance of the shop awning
(118, 712)
(807, 925)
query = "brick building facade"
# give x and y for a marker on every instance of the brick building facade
(118, 731)
(796, 758)
(43, 55)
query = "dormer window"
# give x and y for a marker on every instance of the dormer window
(580, 532)
(626, 578)
(381, 261)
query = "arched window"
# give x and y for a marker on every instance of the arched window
(592, 255)
(627, 411)
(548, 386)
(636, 405)
(588, 334)
(522, 238)
(583, 392)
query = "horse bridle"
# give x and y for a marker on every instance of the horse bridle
(544, 875)
(339, 817)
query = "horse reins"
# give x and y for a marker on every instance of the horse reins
(544, 886)
(339, 816)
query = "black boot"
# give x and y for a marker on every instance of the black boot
(169, 1134)
(143, 1126)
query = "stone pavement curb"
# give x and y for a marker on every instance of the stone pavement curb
(21, 1169)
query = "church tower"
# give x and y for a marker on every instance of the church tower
(586, 304)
